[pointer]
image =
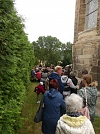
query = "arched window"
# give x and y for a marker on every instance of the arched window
(91, 13)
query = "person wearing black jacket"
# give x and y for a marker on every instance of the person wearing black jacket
(75, 82)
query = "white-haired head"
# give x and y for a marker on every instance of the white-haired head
(41, 83)
(73, 103)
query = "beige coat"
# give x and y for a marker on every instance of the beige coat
(74, 125)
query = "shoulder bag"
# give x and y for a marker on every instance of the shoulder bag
(39, 113)
(85, 110)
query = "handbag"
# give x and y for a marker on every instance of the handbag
(39, 114)
(67, 88)
(85, 110)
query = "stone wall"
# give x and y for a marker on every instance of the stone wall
(86, 48)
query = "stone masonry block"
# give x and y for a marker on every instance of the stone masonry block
(98, 62)
(88, 50)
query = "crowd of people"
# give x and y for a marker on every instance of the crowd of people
(64, 98)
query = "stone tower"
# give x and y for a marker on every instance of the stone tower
(86, 48)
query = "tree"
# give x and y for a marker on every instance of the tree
(67, 54)
(51, 51)
(47, 49)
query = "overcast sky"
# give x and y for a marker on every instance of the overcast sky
(48, 18)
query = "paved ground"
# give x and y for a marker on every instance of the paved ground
(98, 105)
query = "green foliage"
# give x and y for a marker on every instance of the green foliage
(50, 50)
(96, 125)
(29, 109)
(46, 49)
(10, 118)
(16, 57)
(66, 54)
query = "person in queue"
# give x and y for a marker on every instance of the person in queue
(54, 108)
(91, 92)
(73, 122)
(84, 71)
(69, 86)
(57, 75)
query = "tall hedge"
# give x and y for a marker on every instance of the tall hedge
(16, 61)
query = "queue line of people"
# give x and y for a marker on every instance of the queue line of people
(65, 87)
(57, 120)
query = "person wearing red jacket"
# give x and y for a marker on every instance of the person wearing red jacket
(38, 75)
(39, 89)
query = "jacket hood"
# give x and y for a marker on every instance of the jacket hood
(54, 75)
(73, 121)
(92, 91)
(52, 93)
(64, 79)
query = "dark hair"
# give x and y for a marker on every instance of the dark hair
(72, 74)
(84, 72)
(53, 84)
(65, 72)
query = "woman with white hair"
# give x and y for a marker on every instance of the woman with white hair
(73, 122)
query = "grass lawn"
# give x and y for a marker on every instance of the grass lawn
(96, 125)
(28, 112)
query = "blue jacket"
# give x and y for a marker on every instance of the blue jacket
(56, 76)
(54, 107)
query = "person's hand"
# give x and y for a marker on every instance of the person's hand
(77, 87)
(68, 84)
